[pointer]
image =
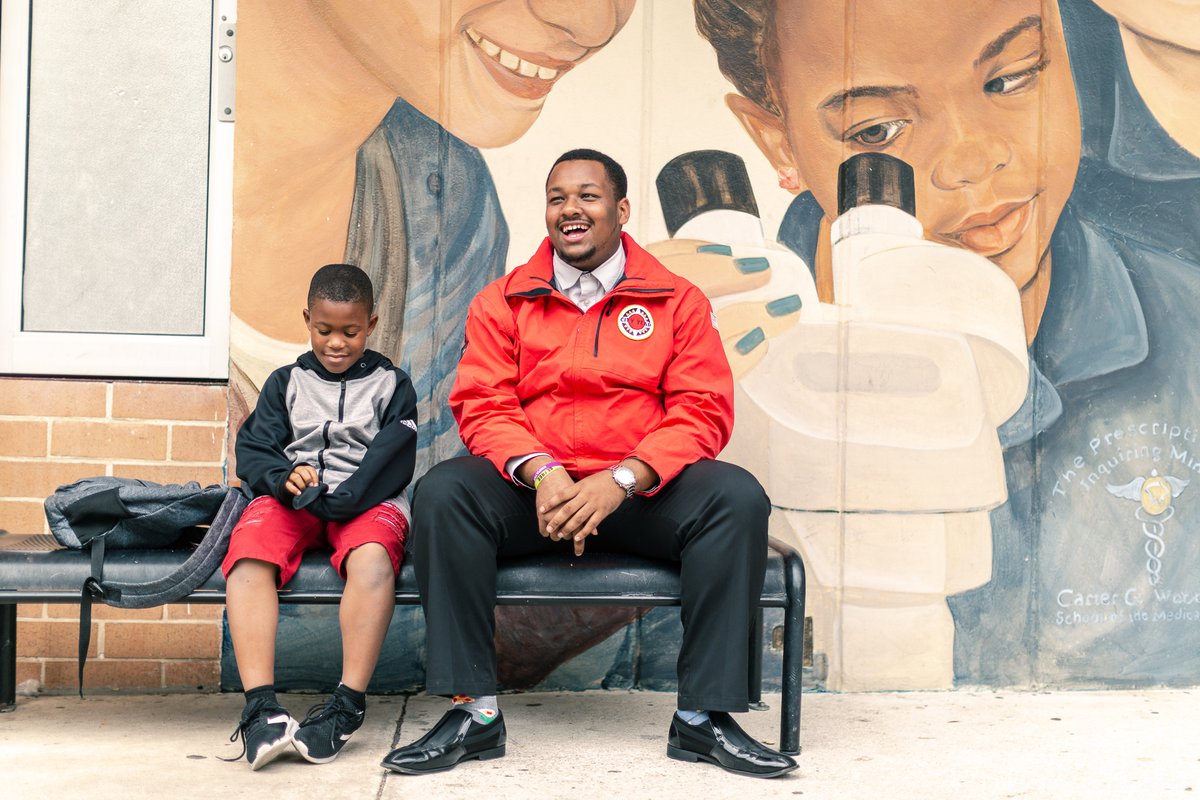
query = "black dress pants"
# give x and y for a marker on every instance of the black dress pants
(712, 518)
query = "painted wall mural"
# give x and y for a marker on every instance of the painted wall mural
(981, 437)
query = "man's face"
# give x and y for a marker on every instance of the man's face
(583, 215)
(976, 95)
(338, 332)
(481, 68)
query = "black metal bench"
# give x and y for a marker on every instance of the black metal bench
(598, 579)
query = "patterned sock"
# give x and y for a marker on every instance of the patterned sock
(264, 693)
(484, 709)
(692, 717)
(359, 699)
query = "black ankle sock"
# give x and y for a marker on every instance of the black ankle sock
(359, 699)
(265, 693)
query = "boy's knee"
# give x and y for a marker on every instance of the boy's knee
(252, 570)
(369, 565)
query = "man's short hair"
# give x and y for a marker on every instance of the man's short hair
(342, 283)
(616, 175)
(741, 31)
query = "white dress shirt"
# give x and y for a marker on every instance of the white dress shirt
(567, 278)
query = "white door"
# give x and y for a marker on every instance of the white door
(116, 156)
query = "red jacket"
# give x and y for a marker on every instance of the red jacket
(642, 373)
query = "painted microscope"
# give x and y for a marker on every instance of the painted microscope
(872, 420)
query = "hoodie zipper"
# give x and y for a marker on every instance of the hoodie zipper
(325, 431)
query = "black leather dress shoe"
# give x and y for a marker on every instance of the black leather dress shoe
(456, 737)
(722, 742)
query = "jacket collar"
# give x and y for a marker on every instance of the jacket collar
(1093, 324)
(609, 273)
(368, 362)
(643, 273)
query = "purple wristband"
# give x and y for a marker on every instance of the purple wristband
(544, 470)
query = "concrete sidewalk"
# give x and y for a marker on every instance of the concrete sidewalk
(963, 745)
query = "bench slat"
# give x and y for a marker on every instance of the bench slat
(596, 578)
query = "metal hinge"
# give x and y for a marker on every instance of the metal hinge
(226, 71)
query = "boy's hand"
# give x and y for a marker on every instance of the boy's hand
(301, 478)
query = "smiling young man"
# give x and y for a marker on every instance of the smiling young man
(594, 395)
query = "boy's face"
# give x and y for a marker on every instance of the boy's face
(482, 68)
(583, 215)
(338, 332)
(977, 95)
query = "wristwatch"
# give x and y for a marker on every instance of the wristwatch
(624, 477)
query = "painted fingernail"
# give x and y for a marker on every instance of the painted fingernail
(750, 341)
(719, 249)
(784, 305)
(751, 265)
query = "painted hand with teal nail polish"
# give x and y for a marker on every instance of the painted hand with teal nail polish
(712, 267)
(746, 329)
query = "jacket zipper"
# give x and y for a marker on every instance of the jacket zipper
(325, 431)
(321, 455)
(608, 309)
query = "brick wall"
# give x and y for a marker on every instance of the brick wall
(56, 431)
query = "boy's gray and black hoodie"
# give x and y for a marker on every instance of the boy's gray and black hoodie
(358, 429)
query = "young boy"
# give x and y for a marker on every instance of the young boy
(327, 455)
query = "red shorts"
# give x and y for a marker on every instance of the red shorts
(278, 534)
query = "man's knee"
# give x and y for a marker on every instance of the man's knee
(453, 479)
(732, 488)
(451, 521)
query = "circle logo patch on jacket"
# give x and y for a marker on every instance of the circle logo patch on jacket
(636, 322)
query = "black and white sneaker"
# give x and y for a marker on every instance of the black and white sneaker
(326, 728)
(266, 730)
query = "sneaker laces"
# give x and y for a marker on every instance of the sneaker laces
(335, 706)
(251, 713)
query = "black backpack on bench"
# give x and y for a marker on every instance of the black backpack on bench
(125, 513)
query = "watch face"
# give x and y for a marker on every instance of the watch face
(625, 477)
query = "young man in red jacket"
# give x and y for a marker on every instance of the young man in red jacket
(594, 395)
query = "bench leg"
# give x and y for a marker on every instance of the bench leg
(793, 655)
(8, 657)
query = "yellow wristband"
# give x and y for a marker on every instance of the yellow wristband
(541, 474)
